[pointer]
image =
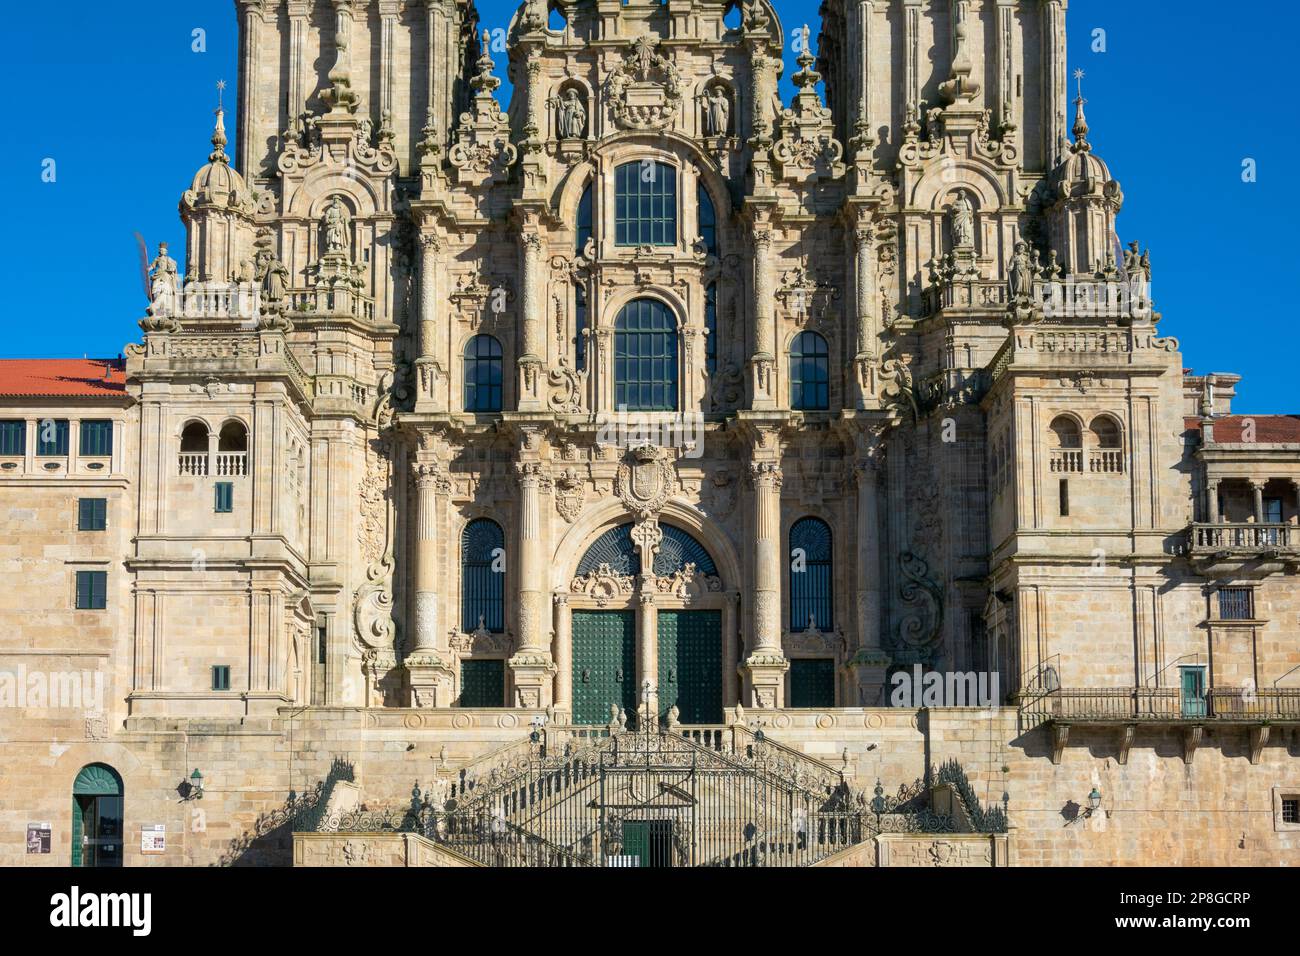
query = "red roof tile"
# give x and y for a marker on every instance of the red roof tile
(60, 378)
(1269, 429)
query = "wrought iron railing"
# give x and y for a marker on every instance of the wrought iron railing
(1162, 704)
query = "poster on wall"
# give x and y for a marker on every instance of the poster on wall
(153, 839)
(38, 837)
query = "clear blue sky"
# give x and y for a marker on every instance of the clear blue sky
(114, 94)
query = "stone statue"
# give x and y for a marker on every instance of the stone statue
(336, 228)
(274, 277)
(717, 112)
(573, 115)
(963, 223)
(1020, 272)
(163, 280)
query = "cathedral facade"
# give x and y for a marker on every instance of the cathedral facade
(830, 440)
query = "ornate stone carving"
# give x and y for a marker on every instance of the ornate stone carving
(686, 584)
(603, 585)
(644, 481)
(919, 629)
(483, 150)
(570, 493)
(645, 90)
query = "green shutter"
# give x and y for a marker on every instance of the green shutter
(225, 493)
(690, 665)
(483, 683)
(92, 590)
(812, 682)
(604, 665)
(636, 840)
(97, 438)
(92, 514)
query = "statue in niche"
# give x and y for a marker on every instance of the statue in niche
(274, 277)
(717, 112)
(163, 280)
(573, 115)
(963, 223)
(336, 228)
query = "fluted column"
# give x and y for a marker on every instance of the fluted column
(869, 663)
(530, 317)
(730, 659)
(562, 650)
(1054, 82)
(763, 361)
(430, 365)
(866, 333)
(426, 557)
(531, 666)
(766, 664)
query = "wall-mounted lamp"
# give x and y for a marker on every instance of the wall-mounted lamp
(192, 789)
(1094, 802)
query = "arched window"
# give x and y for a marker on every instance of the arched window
(1105, 431)
(584, 219)
(677, 549)
(232, 437)
(195, 438)
(483, 374)
(483, 576)
(708, 220)
(711, 328)
(810, 372)
(645, 204)
(580, 327)
(1065, 431)
(810, 575)
(645, 357)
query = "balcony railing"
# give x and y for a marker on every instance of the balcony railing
(232, 464)
(1242, 537)
(193, 464)
(1106, 462)
(1068, 462)
(1165, 704)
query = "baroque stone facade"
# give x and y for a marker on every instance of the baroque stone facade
(852, 389)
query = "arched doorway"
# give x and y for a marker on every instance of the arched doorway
(97, 817)
(663, 626)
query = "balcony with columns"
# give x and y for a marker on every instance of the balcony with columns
(1251, 521)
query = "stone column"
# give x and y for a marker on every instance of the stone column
(730, 659)
(1213, 494)
(766, 664)
(1054, 81)
(562, 649)
(530, 319)
(429, 670)
(1257, 490)
(763, 361)
(865, 283)
(531, 666)
(432, 376)
(647, 649)
(870, 663)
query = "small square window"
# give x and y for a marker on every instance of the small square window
(92, 590)
(1291, 809)
(221, 677)
(97, 438)
(52, 437)
(92, 514)
(225, 491)
(1236, 604)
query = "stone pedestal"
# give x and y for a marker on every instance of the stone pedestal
(766, 678)
(431, 680)
(869, 668)
(532, 674)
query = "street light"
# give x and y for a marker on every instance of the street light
(196, 785)
(1094, 801)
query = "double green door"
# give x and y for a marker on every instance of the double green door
(690, 665)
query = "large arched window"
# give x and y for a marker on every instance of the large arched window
(645, 357)
(711, 328)
(483, 576)
(616, 549)
(584, 219)
(810, 373)
(708, 220)
(483, 374)
(645, 204)
(810, 575)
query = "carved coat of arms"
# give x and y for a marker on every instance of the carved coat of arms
(644, 481)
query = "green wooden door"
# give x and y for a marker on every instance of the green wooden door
(812, 682)
(1193, 691)
(690, 665)
(97, 821)
(604, 665)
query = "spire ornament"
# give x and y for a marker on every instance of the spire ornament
(1081, 144)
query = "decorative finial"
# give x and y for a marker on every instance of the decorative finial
(807, 77)
(1080, 121)
(218, 154)
(483, 80)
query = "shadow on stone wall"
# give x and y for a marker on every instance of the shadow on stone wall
(269, 842)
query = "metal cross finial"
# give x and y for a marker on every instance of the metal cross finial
(1078, 76)
(221, 88)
